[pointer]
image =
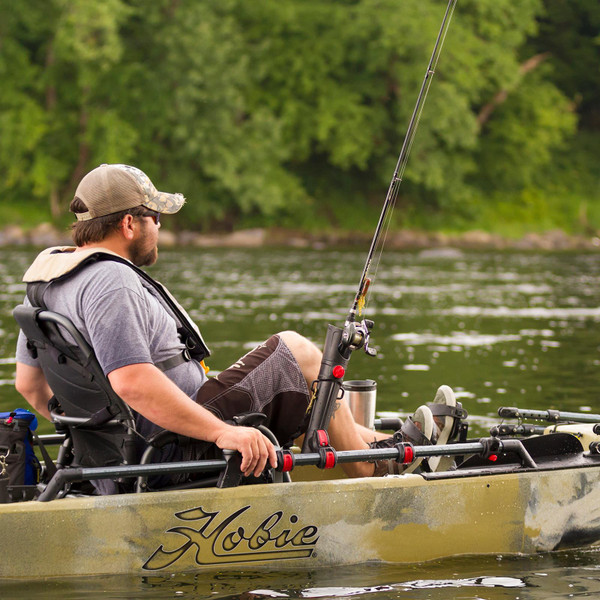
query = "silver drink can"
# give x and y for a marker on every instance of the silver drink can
(361, 396)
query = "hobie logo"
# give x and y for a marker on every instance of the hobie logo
(235, 538)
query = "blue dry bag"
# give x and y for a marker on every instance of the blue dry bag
(16, 447)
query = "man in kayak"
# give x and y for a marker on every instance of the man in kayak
(150, 350)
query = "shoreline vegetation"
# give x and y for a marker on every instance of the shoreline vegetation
(290, 116)
(46, 235)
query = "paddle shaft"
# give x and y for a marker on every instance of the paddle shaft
(551, 416)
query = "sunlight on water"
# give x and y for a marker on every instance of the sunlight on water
(457, 340)
(420, 584)
(504, 312)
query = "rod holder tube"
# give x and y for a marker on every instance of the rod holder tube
(328, 387)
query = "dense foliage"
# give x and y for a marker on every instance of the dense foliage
(293, 112)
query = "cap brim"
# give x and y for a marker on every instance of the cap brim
(165, 203)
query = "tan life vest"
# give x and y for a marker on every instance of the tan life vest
(61, 262)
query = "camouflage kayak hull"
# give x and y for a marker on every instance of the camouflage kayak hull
(399, 519)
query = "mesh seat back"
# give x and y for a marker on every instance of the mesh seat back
(100, 423)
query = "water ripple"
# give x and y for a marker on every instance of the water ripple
(532, 313)
(419, 584)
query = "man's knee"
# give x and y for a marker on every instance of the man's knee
(304, 351)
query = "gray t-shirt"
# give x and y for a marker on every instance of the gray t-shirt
(121, 317)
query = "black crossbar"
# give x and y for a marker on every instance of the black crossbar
(484, 447)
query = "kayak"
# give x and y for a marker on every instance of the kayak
(519, 491)
(508, 496)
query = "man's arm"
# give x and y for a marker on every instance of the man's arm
(152, 394)
(32, 385)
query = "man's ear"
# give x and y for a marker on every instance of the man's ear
(127, 227)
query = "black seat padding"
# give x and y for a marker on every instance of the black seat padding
(101, 425)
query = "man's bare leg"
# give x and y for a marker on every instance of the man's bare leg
(344, 432)
(370, 435)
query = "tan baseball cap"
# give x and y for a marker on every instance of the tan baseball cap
(112, 188)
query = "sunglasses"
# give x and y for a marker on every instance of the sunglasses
(155, 216)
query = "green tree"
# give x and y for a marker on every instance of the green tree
(54, 54)
(294, 111)
(342, 78)
(184, 82)
(569, 32)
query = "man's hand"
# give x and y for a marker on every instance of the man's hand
(151, 393)
(254, 447)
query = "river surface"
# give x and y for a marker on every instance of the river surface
(503, 329)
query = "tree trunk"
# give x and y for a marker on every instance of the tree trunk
(55, 208)
(51, 99)
(486, 112)
(84, 151)
(84, 148)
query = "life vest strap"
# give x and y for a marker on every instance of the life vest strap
(174, 361)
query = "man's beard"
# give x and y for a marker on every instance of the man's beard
(141, 257)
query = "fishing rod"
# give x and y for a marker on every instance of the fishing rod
(341, 342)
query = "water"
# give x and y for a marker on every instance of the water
(573, 575)
(503, 329)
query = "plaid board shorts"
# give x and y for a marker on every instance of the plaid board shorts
(268, 380)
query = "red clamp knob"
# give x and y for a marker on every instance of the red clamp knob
(327, 458)
(409, 454)
(322, 438)
(285, 460)
(338, 371)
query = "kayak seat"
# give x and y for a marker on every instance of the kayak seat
(99, 426)
(84, 406)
